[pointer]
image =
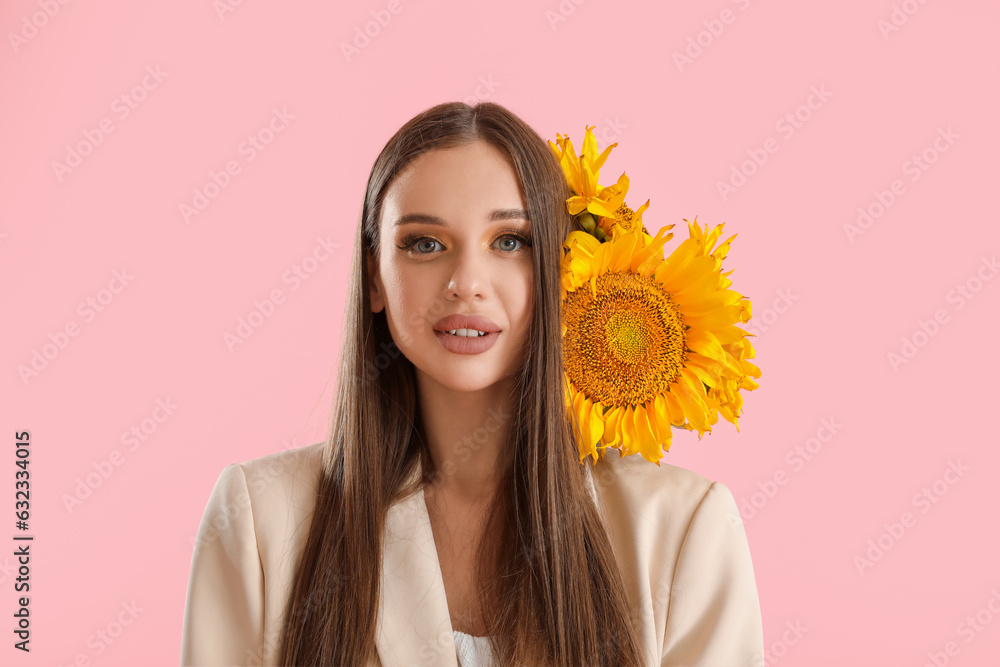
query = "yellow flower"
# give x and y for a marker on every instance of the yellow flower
(651, 343)
(606, 204)
(725, 395)
(581, 173)
(624, 218)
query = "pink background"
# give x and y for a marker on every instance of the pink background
(830, 306)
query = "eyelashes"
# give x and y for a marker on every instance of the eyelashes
(410, 240)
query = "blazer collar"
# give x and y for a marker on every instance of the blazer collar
(414, 626)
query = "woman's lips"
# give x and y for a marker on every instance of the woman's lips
(467, 345)
(477, 322)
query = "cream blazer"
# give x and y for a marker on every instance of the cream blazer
(678, 538)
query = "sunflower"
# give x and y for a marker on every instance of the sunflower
(651, 343)
(600, 210)
(624, 218)
(581, 172)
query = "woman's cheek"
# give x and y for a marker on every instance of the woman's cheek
(413, 317)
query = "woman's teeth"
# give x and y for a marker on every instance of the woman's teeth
(467, 333)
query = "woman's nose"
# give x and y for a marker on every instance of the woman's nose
(469, 278)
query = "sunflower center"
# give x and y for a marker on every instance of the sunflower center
(628, 336)
(626, 344)
(623, 216)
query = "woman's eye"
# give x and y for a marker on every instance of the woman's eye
(515, 238)
(509, 240)
(418, 242)
(424, 244)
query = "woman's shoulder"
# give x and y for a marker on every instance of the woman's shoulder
(291, 465)
(682, 548)
(664, 499)
(283, 479)
(278, 489)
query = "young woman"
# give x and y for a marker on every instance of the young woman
(448, 518)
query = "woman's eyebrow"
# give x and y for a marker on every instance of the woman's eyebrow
(509, 214)
(496, 214)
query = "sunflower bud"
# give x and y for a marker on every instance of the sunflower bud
(587, 221)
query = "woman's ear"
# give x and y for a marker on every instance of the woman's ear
(375, 281)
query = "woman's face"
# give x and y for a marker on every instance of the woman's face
(453, 242)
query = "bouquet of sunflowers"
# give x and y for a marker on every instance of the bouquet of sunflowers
(649, 342)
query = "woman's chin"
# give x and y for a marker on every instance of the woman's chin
(463, 380)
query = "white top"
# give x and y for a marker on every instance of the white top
(473, 651)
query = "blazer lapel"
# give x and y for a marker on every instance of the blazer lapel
(414, 626)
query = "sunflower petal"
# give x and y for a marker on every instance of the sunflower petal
(660, 417)
(598, 421)
(594, 424)
(694, 407)
(601, 208)
(627, 431)
(677, 417)
(648, 444)
(621, 252)
(612, 427)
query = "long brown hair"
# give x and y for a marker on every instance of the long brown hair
(547, 578)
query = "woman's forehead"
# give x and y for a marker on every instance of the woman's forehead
(470, 165)
(455, 182)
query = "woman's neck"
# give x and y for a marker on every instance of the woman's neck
(467, 433)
